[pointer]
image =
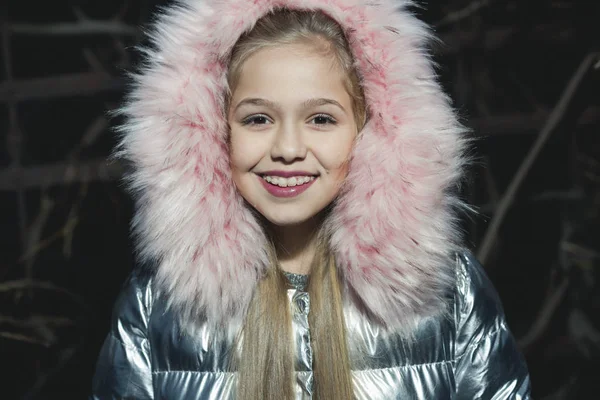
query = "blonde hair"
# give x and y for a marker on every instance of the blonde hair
(266, 364)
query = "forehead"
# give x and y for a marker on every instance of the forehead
(290, 72)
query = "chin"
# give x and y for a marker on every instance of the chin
(287, 220)
(287, 213)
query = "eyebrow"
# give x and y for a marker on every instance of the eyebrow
(315, 102)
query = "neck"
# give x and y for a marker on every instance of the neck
(296, 246)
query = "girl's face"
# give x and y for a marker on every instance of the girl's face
(292, 131)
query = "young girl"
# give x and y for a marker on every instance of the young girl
(295, 167)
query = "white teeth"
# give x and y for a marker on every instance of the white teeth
(287, 182)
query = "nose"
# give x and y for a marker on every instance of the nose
(289, 145)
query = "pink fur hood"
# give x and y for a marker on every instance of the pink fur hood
(394, 227)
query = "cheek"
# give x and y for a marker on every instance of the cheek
(338, 175)
(239, 171)
(335, 156)
(244, 154)
(236, 161)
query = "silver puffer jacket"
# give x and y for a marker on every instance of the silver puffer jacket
(471, 356)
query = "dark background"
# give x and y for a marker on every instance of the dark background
(524, 76)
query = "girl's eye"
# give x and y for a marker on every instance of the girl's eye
(256, 120)
(323, 119)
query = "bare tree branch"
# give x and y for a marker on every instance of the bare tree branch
(79, 28)
(72, 220)
(466, 12)
(43, 326)
(35, 233)
(61, 173)
(94, 62)
(14, 138)
(23, 284)
(36, 320)
(92, 133)
(22, 338)
(77, 84)
(549, 127)
(494, 38)
(581, 251)
(522, 123)
(549, 305)
(41, 244)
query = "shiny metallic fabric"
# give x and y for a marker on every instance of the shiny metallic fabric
(471, 355)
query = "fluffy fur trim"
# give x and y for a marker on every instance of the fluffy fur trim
(393, 227)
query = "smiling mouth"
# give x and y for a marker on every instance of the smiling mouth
(279, 186)
(288, 182)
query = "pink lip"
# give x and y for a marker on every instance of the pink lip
(279, 191)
